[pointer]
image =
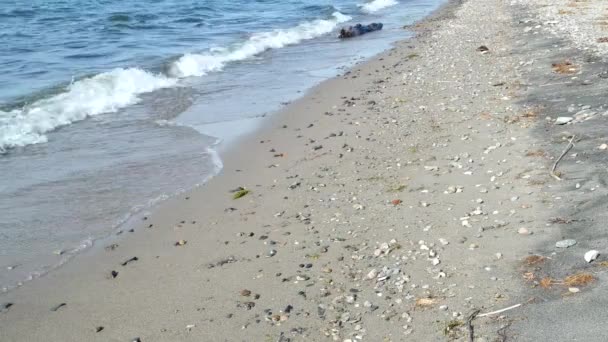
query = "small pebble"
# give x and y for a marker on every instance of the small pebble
(565, 243)
(523, 231)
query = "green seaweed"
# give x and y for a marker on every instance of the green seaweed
(240, 193)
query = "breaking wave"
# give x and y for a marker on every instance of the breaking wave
(377, 5)
(103, 93)
(110, 91)
(215, 60)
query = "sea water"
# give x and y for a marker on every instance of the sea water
(107, 107)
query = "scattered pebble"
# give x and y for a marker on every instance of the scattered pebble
(523, 231)
(565, 243)
(562, 120)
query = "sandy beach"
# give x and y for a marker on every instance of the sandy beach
(417, 197)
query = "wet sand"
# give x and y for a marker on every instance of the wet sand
(408, 199)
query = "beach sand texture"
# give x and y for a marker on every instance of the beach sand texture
(402, 201)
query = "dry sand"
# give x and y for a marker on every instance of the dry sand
(399, 202)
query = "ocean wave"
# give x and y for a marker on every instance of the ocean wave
(201, 64)
(377, 5)
(110, 91)
(103, 93)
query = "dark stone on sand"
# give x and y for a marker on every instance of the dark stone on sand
(321, 312)
(114, 274)
(246, 305)
(288, 309)
(5, 307)
(98, 329)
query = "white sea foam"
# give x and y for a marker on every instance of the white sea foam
(201, 64)
(103, 93)
(377, 5)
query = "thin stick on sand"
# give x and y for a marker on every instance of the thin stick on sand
(499, 311)
(570, 145)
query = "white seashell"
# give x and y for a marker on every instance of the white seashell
(591, 255)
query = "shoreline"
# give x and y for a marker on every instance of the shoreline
(152, 157)
(107, 225)
(401, 200)
(218, 151)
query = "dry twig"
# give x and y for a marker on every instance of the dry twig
(570, 145)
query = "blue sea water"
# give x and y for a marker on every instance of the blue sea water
(108, 106)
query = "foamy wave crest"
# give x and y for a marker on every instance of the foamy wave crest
(201, 64)
(103, 93)
(377, 5)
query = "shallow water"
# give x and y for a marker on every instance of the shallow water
(107, 107)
